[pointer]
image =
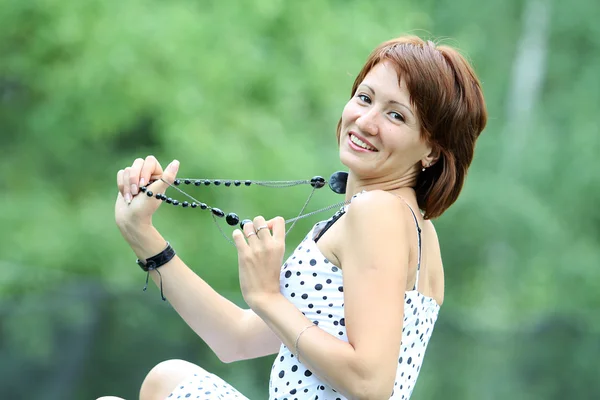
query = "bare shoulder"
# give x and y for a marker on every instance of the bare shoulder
(380, 230)
(377, 204)
(376, 222)
(378, 209)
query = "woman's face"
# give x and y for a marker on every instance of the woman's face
(380, 134)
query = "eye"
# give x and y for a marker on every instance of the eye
(397, 116)
(364, 98)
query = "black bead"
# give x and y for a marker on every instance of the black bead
(203, 206)
(177, 182)
(197, 182)
(175, 202)
(169, 200)
(143, 189)
(317, 182)
(248, 183)
(237, 183)
(232, 219)
(337, 182)
(206, 182)
(227, 183)
(244, 222)
(217, 182)
(185, 204)
(194, 205)
(158, 196)
(217, 212)
(187, 181)
(149, 193)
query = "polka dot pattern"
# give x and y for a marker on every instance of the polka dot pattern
(315, 286)
(205, 386)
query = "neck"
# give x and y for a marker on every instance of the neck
(399, 185)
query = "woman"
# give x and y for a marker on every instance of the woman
(352, 310)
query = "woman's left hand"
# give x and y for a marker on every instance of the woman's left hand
(260, 247)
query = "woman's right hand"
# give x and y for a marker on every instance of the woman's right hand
(133, 208)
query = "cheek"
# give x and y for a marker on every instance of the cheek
(350, 113)
(404, 141)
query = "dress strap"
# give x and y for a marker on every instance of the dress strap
(418, 242)
(334, 218)
(329, 224)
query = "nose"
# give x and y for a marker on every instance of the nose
(367, 122)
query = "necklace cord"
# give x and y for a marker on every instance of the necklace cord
(301, 210)
(221, 230)
(272, 184)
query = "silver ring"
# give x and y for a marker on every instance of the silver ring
(262, 227)
(250, 234)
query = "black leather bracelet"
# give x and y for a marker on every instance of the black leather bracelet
(158, 260)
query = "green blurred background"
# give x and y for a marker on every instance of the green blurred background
(253, 90)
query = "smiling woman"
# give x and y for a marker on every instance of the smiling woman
(351, 311)
(440, 98)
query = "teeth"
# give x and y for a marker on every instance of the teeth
(360, 143)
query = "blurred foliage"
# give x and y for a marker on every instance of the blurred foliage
(254, 91)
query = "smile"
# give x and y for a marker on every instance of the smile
(356, 141)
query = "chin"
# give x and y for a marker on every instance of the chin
(355, 165)
(346, 157)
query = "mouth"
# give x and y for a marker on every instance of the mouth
(360, 142)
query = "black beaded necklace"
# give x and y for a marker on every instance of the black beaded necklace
(337, 183)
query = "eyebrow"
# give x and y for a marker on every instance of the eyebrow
(391, 101)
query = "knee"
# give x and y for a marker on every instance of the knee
(164, 377)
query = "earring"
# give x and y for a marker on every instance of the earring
(423, 169)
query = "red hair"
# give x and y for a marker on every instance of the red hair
(448, 101)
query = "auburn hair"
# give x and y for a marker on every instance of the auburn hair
(448, 101)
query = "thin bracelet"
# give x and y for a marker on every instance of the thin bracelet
(298, 338)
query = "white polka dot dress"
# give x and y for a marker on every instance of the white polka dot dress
(316, 288)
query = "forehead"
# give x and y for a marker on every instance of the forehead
(383, 79)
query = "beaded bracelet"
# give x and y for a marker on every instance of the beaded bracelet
(298, 338)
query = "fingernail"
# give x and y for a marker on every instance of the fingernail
(174, 165)
(142, 182)
(134, 189)
(128, 197)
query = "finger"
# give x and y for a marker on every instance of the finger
(150, 169)
(262, 228)
(120, 181)
(167, 178)
(134, 175)
(239, 240)
(277, 225)
(120, 196)
(126, 187)
(250, 232)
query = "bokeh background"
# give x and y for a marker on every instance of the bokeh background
(253, 90)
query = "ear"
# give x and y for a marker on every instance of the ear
(431, 157)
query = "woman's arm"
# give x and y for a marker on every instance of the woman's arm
(374, 257)
(231, 332)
